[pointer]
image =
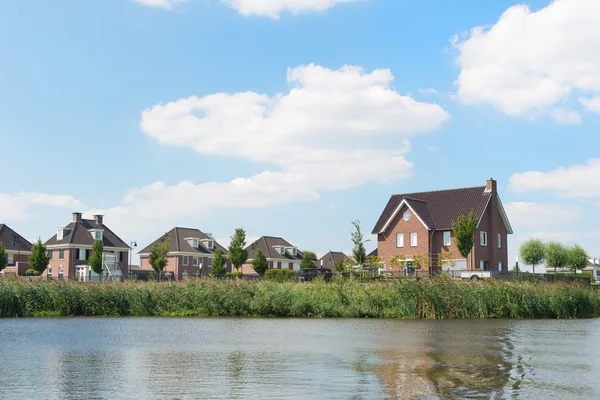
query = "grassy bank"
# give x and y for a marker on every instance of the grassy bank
(434, 299)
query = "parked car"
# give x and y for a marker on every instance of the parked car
(308, 274)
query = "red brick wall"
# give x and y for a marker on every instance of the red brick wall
(386, 243)
(492, 224)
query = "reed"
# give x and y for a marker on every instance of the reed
(428, 299)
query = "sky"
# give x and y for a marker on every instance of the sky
(293, 118)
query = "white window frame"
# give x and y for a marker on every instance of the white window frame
(500, 266)
(482, 264)
(59, 234)
(195, 243)
(399, 240)
(281, 250)
(447, 235)
(483, 238)
(10, 259)
(416, 239)
(196, 261)
(499, 240)
(210, 244)
(81, 254)
(185, 260)
(98, 235)
(209, 262)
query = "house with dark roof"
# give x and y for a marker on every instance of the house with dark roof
(421, 224)
(191, 253)
(330, 259)
(18, 250)
(70, 248)
(279, 252)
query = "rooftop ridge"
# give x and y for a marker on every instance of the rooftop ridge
(437, 191)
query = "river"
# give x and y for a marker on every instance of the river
(193, 358)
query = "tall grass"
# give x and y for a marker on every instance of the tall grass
(433, 299)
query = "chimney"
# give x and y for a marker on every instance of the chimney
(490, 185)
(77, 216)
(99, 219)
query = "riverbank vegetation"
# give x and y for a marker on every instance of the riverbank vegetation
(428, 298)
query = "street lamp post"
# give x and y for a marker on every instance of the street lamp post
(132, 244)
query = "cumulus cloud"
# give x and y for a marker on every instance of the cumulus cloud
(566, 117)
(166, 4)
(527, 63)
(579, 180)
(333, 130)
(273, 8)
(541, 215)
(15, 206)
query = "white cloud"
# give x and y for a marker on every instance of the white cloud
(591, 104)
(433, 149)
(566, 117)
(541, 215)
(15, 206)
(528, 62)
(333, 130)
(166, 4)
(431, 91)
(579, 180)
(273, 8)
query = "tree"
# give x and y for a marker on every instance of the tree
(341, 264)
(532, 252)
(308, 259)
(373, 262)
(218, 264)
(95, 260)
(158, 256)
(420, 260)
(446, 257)
(555, 255)
(463, 229)
(259, 263)
(398, 261)
(358, 252)
(39, 258)
(237, 252)
(3, 257)
(577, 258)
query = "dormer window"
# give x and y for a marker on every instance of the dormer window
(293, 251)
(97, 234)
(60, 233)
(210, 244)
(281, 250)
(193, 242)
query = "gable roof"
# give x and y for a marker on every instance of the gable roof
(12, 241)
(437, 209)
(178, 243)
(267, 245)
(330, 259)
(79, 235)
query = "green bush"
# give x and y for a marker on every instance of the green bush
(233, 275)
(280, 275)
(341, 298)
(31, 272)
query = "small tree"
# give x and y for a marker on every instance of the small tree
(420, 260)
(373, 262)
(95, 260)
(577, 258)
(555, 255)
(446, 257)
(532, 252)
(463, 229)
(39, 258)
(3, 257)
(397, 262)
(341, 264)
(237, 252)
(308, 259)
(359, 252)
(218, 264)
(259, 263)
(158, 256)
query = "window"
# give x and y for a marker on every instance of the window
(400, 240)
(61, 254)
(81, 254)
(185, 260)
(447, 238)
(406, 215)
(499, 240)
(483, 238)
(281, 250)
(196, 261)
(50, 254)
(278, 264)
(413, 239)
(195, 243)
(294, 251)
(291, 266)
(122, 256)
(49, 272)
(59, 234)
(209, 261)
(483, 265)
(10, 259)
(500, 266)
(210, 244)
(98, 235)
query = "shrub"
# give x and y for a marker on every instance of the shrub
(32, 272)
(233, 275)
(280, 275)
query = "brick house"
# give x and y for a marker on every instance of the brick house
(70, 248)
(330, 259)
(280, 254)
(191, 253)
(18, 250)
(421, 224)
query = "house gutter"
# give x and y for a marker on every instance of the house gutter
(431, 252)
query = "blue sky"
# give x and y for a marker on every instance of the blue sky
(149, 110)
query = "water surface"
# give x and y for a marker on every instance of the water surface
(172, 358)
